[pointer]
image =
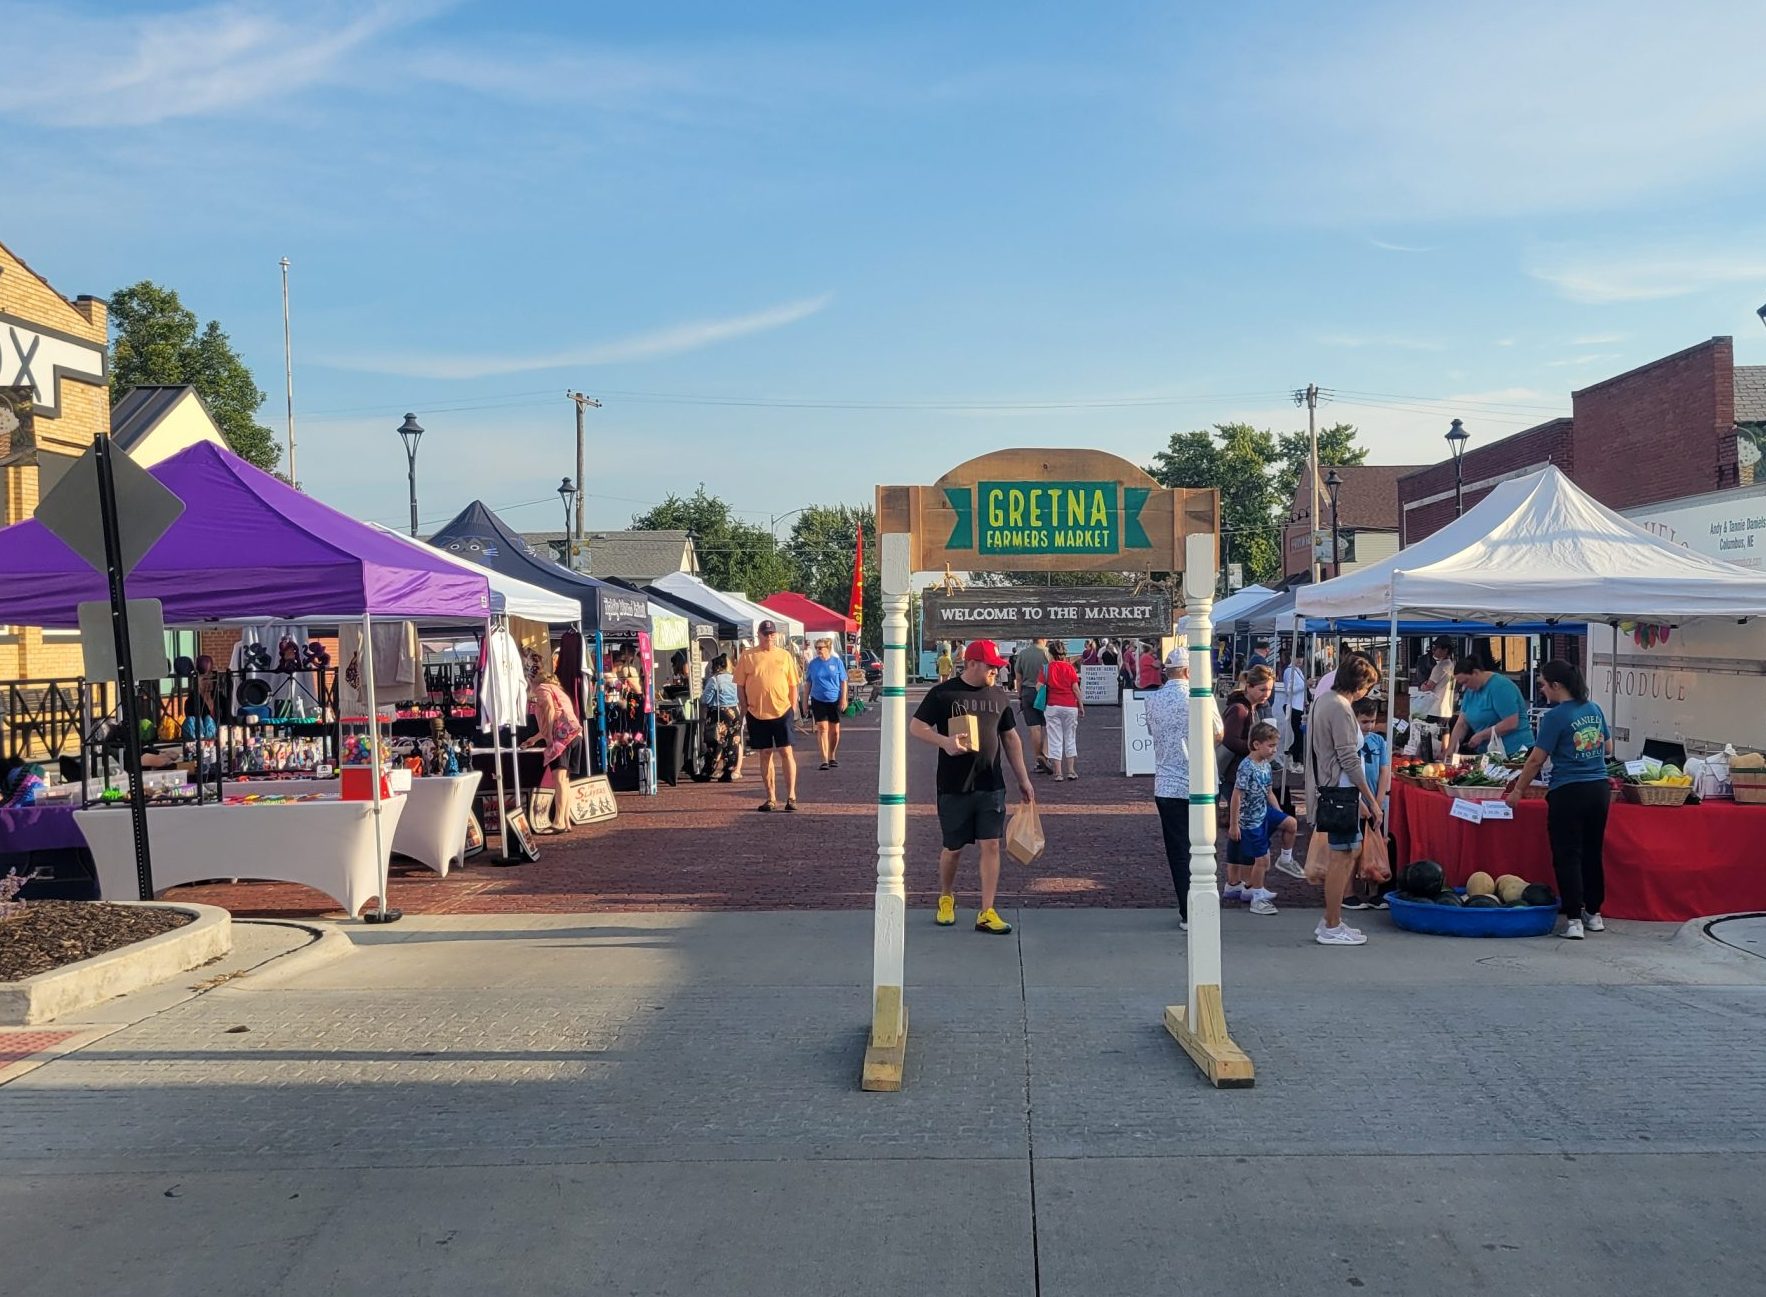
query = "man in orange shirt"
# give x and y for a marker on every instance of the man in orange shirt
(767, 679)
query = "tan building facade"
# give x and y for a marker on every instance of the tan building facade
(54, 398)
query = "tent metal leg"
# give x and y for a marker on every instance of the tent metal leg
(382, 913)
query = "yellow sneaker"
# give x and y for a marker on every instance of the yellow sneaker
(947, 911)
(990, 921)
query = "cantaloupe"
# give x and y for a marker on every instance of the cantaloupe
(1509, 888)
(1480, 884)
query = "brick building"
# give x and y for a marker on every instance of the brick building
(1680, 426)
(1367, 518)
(54, 398)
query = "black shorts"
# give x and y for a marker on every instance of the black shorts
(972, 817)
(829, 712)
(763, 734)
(1027, 705)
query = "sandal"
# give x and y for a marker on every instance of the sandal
(824, 765)
(766, 806)
(791, 806)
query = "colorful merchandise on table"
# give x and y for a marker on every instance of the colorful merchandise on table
(24, 785)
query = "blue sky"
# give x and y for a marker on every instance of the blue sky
(798, 249)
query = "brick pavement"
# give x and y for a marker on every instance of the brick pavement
(705, 847)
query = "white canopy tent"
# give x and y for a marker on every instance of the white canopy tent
(1239, 602)
(1535, 547)
(746, 616)
(668, 629)
(510, 597)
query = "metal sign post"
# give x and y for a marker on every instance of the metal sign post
(121, 539)
(129, 703)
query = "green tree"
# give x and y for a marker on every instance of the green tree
(736, 556)
(156, 339)
(821, 550)
(1234, 459)
(1336, 448)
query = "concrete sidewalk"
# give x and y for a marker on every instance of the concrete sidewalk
(667, 1103)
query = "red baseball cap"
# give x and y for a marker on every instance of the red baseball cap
(982, 650)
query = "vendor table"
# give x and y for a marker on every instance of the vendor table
(328, 845)
(1666, 863)
(39, 828)
(44, 839)
(432, 830)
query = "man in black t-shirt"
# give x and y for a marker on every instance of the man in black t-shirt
(971, 782)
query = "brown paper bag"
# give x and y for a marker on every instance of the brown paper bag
(1024, 840)
(968, 728)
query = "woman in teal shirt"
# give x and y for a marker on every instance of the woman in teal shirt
(1489, 704)
(1574, 736)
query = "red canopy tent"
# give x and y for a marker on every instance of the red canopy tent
(816, 619)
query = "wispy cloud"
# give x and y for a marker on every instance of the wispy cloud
(1505, 342)
(1355, 340)
(1578, 362)
(1601, 275)
(654, 345)
(1522, 396)
(1597, 340)
(1397, 247)
(151, 68)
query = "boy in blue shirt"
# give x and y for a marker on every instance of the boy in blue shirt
(1376, 764)
(1256, 816)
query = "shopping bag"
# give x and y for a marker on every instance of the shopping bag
(1373, 864)
(1024, 840)
(1318, 858)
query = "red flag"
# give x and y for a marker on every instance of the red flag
(855, 602)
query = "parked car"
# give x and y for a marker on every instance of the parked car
(872, 665)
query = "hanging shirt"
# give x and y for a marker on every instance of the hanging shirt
(502, 690)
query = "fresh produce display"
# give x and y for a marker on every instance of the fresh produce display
(1483, 901)
(1475, 778)
(1449, 897)
(1656, 774)
(1480, 884)
(1509, 888)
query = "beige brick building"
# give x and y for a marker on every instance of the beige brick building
(54, 398)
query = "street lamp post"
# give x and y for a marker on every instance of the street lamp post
(582, 403)
(1332, 484)
(411, 432)
(1457, 437)
(568, 493)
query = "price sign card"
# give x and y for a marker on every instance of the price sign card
(1636, 768)
(1497, 810)
(1465, 809)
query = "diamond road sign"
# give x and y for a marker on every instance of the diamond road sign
(145, 509)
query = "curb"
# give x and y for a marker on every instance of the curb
(1700, 932)
(48, 996)
(328, 945)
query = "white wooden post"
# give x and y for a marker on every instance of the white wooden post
(889, 1019)
(1199, 1025)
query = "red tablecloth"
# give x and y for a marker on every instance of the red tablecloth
(1666, 863)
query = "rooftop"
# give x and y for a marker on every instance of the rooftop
(1368, 496)
(634, 555)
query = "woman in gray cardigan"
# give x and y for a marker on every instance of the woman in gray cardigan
(1333, 760)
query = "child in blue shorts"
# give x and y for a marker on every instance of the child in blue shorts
(1257, 818)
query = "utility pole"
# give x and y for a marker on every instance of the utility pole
(582, 483)
(288, 375)
(1308, 396)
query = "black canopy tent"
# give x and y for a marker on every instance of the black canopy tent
(610, 612)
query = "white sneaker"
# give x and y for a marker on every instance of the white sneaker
(1183, 925)
(1573, 929)
(1263, 901)
(1341, 935)
(1234, 894)
(1593, 922)
(1286, 864)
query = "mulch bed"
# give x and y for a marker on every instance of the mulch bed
(49, 934)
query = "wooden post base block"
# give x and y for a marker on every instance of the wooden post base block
(884, 1063)
(1224, 1064)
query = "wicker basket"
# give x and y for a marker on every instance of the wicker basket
(1478, 793)
(1749, 794)
(1534, 793)
(1651, 795)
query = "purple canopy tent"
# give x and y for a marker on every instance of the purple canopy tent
(248, 545)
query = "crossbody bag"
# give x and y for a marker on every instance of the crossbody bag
(1335, 810)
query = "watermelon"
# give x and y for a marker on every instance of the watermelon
(1538, 894)
(1449, 897)
(1424, 879)
(1483, 901)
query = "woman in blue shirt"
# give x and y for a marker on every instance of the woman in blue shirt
(1489, 705)
(1574, 735)
(827, 699)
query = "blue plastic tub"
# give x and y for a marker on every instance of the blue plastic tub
(1480, 921)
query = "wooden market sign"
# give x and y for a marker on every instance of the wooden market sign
(1054, 612)
(1047, 511)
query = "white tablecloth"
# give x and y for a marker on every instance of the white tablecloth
(432, 830)
(327, 845)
